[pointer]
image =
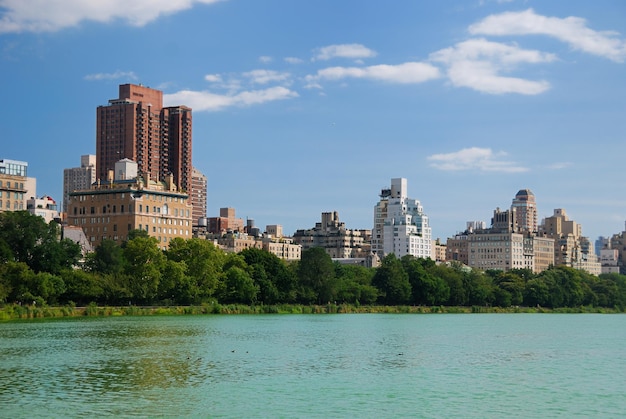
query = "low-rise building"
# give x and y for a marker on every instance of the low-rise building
(112, 209)
(338, 241)
(45, 207)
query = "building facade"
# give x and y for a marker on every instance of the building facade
(137, 126)
(198, 195)
(78, 178)
(110, 210)
(400, 224)
(15, 185)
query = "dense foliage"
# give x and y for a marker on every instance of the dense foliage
(37, 266)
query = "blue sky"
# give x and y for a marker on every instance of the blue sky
(302, 107)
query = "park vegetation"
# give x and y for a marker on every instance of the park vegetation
(38, 268)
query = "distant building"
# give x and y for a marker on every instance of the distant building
(235, 242)
(78, 178)
(45, 207)
(332, 235)
(501, 247)
(400, 224)
(511, 242)
(198, 196)
(609, 260)
(571, 248)
(111, 209)
(439, 250)
(226, 222)
(15, 185)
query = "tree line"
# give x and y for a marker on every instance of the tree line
(39, 267)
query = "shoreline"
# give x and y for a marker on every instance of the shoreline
(19, 312)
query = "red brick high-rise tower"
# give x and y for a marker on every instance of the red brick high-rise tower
(136, 126)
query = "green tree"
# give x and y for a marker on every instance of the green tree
(108, 258)
(276, 282)
(81, 287)
(392, 281)
(238, 287)
(204, 262)
(25, 237)
(425, 287)
(316, 273)
(145, 262)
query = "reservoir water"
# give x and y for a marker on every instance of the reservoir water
(303, 366)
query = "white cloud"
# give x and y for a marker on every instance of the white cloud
(571, 30)
(207, 101)
(477, 64)
(267, 76)
(401, 73)
(53, 15)
(353, 51)
(265, 59)
(128, 75)
(475, 158)
(559, 165)
(213, 78)
(294, 60)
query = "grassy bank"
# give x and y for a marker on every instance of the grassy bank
(13, 312)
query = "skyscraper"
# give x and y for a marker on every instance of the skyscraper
(136, 126)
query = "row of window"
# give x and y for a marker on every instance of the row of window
(16, 185)
(16, 205)
(16, 195)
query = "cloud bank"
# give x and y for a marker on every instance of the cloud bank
(571, 30)
(478, 64)
(53, 15)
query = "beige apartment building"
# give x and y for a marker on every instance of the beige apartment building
(571, 248)
(338, 241)
(112, 209)
(15, 185)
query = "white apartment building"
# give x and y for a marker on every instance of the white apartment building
(400, 225)
(45, 207)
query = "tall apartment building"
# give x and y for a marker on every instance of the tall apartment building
(15, 185)
(111, 209)
(198, 195)
(137, 126)
(400, 224)
(337, 240)
(525, 208)
(78, 178)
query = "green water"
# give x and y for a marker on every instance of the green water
(346, 365)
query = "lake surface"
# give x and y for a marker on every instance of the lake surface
(342, 365)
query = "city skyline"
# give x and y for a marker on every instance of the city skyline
(312, 107)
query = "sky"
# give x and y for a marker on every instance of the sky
(310, 106)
